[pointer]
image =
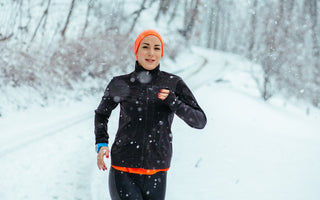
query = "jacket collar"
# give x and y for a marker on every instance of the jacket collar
(139, 69)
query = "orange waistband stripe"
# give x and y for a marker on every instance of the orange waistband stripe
(139, 170)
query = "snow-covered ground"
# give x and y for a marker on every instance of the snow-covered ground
(249, 149)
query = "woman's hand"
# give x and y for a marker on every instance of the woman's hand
(163, 94)
(104, 151)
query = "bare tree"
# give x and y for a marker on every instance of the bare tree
(68, 19)
(252, 37)
(210, 27)
(89, 8)
(191, 12)
(44, 15)
(163, 8)
(174, 11)
(268, 60)
(226, 28)
(137, 13)
(312, 6)
(217, 25)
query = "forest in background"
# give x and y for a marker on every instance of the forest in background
(53, 45)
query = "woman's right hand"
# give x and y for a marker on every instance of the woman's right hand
(104, 151)
(163, 94)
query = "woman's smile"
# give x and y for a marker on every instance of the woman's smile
(150, 60)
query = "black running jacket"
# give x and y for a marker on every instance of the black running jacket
(144, 138)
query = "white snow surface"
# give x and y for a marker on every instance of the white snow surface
(250, 149)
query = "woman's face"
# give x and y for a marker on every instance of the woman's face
(149, 52)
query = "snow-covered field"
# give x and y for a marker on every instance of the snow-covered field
(249, 150)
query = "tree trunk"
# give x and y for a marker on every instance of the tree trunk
(63, 32)
(190, 24)
(186, 13)
(45, 13)
(226, 33)
(163, 8)
(90, 5)
(266, 91)
(137, 13)
(161, 2)
(216, 25)
(222, 34)
(253, 28)
(314, 20)
(315, 50)
(174, 12)
(210, 29)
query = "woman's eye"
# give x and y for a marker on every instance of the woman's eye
(157, 48)
(145, 47)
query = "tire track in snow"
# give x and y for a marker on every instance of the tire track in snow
(213, 73)
(44, 133)
(191, 71)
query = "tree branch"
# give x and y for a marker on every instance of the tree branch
(3, 38)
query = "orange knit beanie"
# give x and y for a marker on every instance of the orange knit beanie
(144, 34)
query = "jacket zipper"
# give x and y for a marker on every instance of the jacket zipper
(146, 128)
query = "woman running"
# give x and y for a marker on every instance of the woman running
(148, 98)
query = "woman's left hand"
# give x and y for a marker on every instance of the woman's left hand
(163, 94)
(104, 151)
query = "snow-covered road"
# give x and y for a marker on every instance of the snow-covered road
(249, 150)
(44, 154)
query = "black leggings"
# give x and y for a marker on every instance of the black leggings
(128, 186)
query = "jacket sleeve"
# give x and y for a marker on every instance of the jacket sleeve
(184, 104)
(102, 114)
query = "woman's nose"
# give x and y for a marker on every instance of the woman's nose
(151, 52)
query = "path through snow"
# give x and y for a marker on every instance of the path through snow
(249, 150)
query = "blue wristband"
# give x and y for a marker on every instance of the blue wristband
(99, 145)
